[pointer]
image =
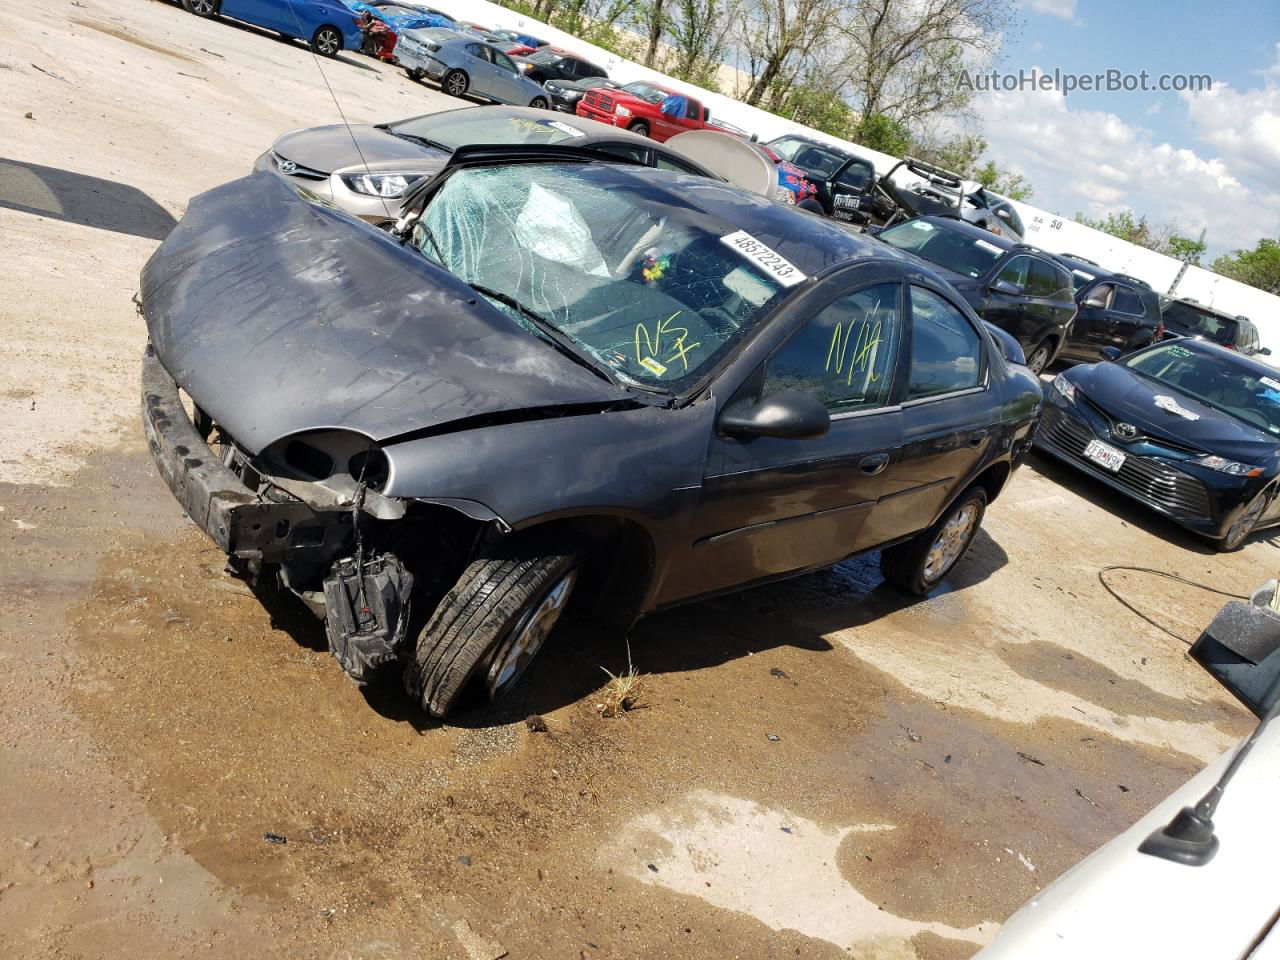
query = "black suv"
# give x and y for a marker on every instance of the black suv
(1188, 318)
(551, 64)
(1015, 286)
(844, 182)
(1113, 310)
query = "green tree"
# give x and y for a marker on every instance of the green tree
(1259, 267)
(879, 132)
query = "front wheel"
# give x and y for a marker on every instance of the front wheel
(201, 8)
(455, 83)
(538, 103)
(640, 127)
(1039, 358)
(326, 41)
(493, 622)
(919, 565)
(1244, 524)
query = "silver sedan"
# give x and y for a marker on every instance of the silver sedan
(463, 65)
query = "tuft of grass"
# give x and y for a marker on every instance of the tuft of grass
(622, 693)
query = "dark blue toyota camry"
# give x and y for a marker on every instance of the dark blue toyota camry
(1187, 428)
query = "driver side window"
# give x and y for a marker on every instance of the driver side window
(845, 356)
(502, 60)
(1015, 272)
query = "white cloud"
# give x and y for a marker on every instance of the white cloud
(1063, 9)
(1094, 162)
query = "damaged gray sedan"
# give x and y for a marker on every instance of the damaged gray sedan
(561, 379)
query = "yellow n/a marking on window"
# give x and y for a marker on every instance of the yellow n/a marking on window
(865, 337)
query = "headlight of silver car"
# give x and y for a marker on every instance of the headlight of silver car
(1223, 465)
(377, 184)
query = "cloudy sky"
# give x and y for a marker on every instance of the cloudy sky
(1209, 159)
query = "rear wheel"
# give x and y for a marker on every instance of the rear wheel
(1244, 524)
(201, 8)
(920, 564)
(640, 127)
(455, 83)
(413, 74)
(493, 622)
(326, 41)
(538, 103)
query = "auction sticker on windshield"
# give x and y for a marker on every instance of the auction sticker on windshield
(771, 262)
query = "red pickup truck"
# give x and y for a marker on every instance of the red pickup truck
(647, 109)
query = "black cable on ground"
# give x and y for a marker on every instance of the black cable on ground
(1168, 576)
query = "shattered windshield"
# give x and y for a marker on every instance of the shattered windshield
(458, 128)
(651, 289)
(949, 249)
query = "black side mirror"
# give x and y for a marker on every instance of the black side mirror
(1111, 353)
(1004, 286)
(789, 414)
(1265, 351)
(1241, 650)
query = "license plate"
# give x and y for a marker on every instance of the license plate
(1105, 455)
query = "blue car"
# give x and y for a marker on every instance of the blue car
(327, 25)
(400, 17)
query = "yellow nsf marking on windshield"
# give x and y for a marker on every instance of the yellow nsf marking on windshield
(652, 343)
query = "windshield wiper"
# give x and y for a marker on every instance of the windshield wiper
(555, 336)
(414, 138)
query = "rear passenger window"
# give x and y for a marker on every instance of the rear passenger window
(946, 351)
(845, 355)
(625, 150)
(1128, 301)
(664, 162)
(478, 51)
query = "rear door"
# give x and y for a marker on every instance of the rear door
(948, 412)
(1090, 332)
(1128, 317)
(771, 506)
(479, 66)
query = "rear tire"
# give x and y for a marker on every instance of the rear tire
(924, 561)
(201, 8)
(326, 41)
(640, 127)
(414, 75)
(492, 623)
(455, 83)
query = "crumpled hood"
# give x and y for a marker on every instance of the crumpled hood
(278, 314)
(1128, 397)
(334, 147)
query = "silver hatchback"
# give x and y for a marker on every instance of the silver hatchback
(463, 65)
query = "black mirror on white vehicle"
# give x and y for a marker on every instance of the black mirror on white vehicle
(1004, 286)
(1111, 353)
(788, 414)
(1265, 351)
(1241, 649)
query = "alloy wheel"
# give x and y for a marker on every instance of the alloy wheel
(1038, 359)
(328, 42)
(457, 84)
(202, 8)
(951, 542)
(1245, 523)
(510, 659)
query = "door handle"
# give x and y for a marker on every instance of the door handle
(977, 437)
(873, 464)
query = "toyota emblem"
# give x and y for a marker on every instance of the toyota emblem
(1126, 431)
(287, 166)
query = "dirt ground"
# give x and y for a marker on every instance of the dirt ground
(932, 763)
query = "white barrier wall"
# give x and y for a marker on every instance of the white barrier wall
(1053, 233)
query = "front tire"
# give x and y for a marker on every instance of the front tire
(921, 563)
(414, 75)
(1244, 524)
(201, 8)
(455, 83)
(493, 622)
(1039, 358)
(539, 103)
(326, 41)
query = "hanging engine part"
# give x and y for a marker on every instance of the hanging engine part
(366, 612)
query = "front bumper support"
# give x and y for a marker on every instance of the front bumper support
(240, 523)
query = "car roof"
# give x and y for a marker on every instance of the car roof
(811, 243)
(979, 233)
(816, 143)
(1204, 308)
